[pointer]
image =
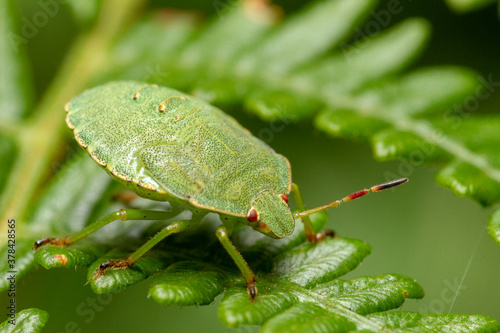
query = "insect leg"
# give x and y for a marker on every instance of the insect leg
(311, 234)
(223, 235)
(172, 228)
(122, 214)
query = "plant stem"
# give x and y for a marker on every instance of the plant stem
(41, 136)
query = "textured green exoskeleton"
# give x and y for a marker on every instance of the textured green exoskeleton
(168, 146)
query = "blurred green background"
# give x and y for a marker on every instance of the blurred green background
(420, 229)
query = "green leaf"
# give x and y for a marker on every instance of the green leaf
(463, 6)
(390, 144)
(8, 153)
(494, 226)
(473, 169)
(84, 12)
(71, 199)
(132, 54)
(151, 263)
(354, 66)
(78, 192)
(370, 294)
(434, 322)
(178, 285)
(347, 123)
(52, 257)
(236, 309)
(233, 30)
(468, 181)
(278, 52)
(22, 261)
(307, 317)
(26, 321)
(310, 264)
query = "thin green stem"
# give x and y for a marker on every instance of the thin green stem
(299, 200)
(40, 138)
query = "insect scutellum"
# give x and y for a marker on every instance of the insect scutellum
(168, 146)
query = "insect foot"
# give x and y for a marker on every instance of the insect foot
(51, 241)
(252, 290)
(321, 236)
(116, 264)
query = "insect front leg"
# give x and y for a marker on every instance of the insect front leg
(122, 214)
(223, 235)
(172, 228)
(311, 234)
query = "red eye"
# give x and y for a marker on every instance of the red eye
(284, 197)
(252, 215)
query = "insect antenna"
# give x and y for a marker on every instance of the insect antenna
(352, 196)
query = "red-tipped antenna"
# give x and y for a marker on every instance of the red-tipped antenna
(352, 196)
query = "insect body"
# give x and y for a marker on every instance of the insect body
(168, 146)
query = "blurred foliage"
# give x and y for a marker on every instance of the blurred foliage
(15, 81)
(468, 5)
(29, 320)
(317, 64)
(424, 116)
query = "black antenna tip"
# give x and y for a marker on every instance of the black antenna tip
(390, 184)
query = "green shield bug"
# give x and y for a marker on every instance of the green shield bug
(168, 146)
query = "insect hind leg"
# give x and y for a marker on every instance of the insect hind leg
(172, 228)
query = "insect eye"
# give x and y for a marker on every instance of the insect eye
(252, 215)
(284, 197)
